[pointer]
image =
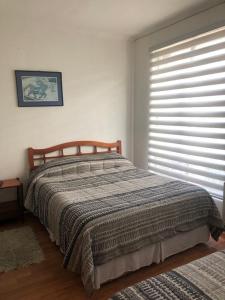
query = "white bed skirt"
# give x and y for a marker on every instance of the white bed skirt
(155, 253)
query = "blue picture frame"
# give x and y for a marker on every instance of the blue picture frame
(39, 88)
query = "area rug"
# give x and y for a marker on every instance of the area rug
(19, 248)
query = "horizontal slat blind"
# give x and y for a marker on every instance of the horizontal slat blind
(187, 110)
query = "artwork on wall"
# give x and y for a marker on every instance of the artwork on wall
(39, 88)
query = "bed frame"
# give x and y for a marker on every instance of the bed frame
(41, 156)
(132, 261)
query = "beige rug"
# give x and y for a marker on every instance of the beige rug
(19, 248)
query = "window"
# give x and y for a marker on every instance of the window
(187, 110)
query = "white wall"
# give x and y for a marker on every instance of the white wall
(95, 87)
(141, 76)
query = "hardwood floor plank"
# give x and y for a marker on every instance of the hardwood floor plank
(48, 280)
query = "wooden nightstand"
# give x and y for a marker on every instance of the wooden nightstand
(12, 209)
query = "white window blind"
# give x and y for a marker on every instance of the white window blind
(187, 110)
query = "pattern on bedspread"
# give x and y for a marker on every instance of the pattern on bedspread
(100, 207)
(201, 279)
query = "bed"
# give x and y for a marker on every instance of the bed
(107, 216)
(202, 279)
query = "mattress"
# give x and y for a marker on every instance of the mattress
(202, 279)
(100, 207)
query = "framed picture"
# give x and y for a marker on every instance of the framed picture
(39, 88)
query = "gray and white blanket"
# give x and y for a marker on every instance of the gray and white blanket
(99, 207)
(203, 279)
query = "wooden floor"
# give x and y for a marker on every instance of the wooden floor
(49, 281)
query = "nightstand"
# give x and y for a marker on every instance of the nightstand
(12, 209)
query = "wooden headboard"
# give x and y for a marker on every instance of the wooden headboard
(40, 156)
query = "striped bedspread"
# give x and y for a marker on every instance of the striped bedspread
(98, 207)
(203, 279)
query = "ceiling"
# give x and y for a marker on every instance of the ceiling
(121, 18)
